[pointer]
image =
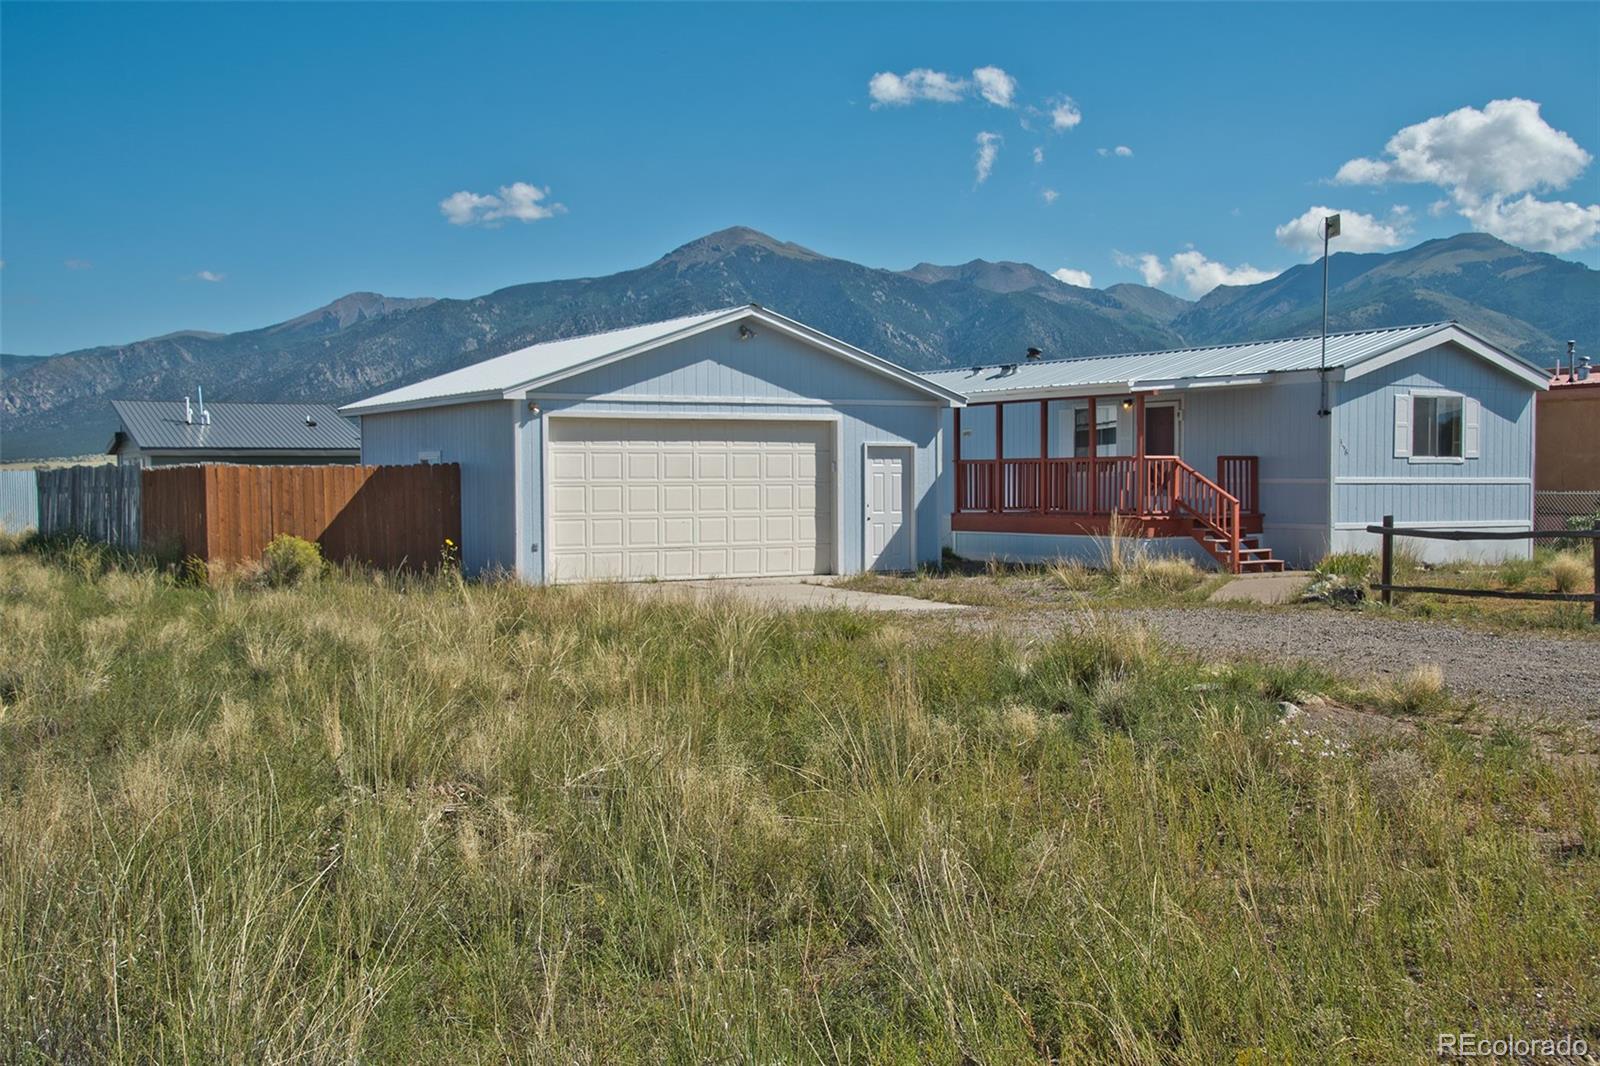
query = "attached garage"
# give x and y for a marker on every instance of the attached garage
(635, 499)
(735, 443)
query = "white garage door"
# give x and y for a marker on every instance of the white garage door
(680, 498)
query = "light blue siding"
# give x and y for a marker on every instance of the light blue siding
(479, 436)
(1277, 422)
(715, 375)
(1049, 548)
(1493, 491)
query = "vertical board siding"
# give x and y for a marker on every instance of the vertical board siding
(19, 500)
(392, 517)
(1494, 488)
(480, 438)
(101, 503)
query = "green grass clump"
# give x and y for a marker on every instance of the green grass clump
(289, 560)
(1354, 567)
(373, 818)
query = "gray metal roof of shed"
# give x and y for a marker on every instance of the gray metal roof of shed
(158, 425)
(1214, 364)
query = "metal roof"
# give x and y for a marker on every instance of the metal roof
(1211, 365)
(516, 373)
(158, 425)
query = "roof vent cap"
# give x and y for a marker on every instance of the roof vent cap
(1034, 353)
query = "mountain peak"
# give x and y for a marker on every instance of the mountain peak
(350, 309)
(734, 239)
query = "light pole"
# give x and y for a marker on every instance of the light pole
(1330, 229)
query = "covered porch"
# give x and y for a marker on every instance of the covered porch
(1071, 465)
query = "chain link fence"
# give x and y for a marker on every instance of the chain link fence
(1557, 511)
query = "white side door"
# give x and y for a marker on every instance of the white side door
(888, 535)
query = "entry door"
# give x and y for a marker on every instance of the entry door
(888, 540)
(1161, 429)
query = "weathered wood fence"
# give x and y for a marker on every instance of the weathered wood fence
(98, 502)
(387, 516)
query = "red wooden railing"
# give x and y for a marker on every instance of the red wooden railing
(1240, 475)
(1157, 486)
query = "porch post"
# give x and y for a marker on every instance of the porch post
(1044, 448)
(1138, 436)
(996, 502)
(959, 485)
(1094, 459)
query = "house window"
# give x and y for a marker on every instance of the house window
(1436, 427)
(1106, 437)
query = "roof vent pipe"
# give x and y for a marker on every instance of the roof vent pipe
(205, 416)
(1034, 353)
(1583, 368)
(188, 412)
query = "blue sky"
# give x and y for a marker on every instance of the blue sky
(223, 167)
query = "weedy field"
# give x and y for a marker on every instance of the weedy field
(367, 818)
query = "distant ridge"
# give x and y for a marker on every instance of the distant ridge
(928, 317)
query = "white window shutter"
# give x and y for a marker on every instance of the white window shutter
(1402, 425)
(1469, 428)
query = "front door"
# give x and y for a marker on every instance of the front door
(1161, 429)
(888, 540)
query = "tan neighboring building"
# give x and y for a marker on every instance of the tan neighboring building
(1567, 434)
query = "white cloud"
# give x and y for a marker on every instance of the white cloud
(1149, 266)
(209, 275)
(1050, 196)
(1549, 225)
(78, 264)
(1482, 160)
(519, 200)
(995, 85)
(1068, 276)
(897, 90)
(1038, 155)
(1200, 275)
(1357, 232)
(1064, 114)
(1438, 208)
(1121, 151)
(988, 148)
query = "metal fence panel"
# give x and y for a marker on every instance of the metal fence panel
(19, 501)
(1555, 511)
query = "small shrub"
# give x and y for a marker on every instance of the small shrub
(1421, 691)
(1163, 574)
(1569, 572)
(1354, 567)
(1072, 574)
(289, 560)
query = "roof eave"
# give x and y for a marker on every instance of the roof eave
(364, 407)
(1450, 333)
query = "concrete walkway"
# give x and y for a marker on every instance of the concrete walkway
(792, 593)
(1263, 588)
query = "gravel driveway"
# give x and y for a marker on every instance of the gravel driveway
(1526, 672)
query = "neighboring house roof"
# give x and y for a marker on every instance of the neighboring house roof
(516, 374)
(1227, 364)
(158, 425)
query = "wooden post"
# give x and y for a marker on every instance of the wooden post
(1044, 447)
(1386, 565)
(1094, 458)
(960, 476)
(1595, 545)
(996, 503)
(1138, 436)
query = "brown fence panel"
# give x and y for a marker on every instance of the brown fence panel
(387, 516)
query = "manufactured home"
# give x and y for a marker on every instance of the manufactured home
(1251, 456)
(734, 443)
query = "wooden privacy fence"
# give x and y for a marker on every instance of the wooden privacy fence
(1386, 586)
(98, 502)
(388, 516)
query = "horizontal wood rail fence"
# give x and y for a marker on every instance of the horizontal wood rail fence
(392, 517)
(1388, 531)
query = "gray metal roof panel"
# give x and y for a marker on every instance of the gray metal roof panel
(158, 425)
(1218, 361)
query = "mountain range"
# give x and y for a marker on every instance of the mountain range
(926, 318)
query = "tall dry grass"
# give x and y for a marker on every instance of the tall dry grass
(384, 819)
